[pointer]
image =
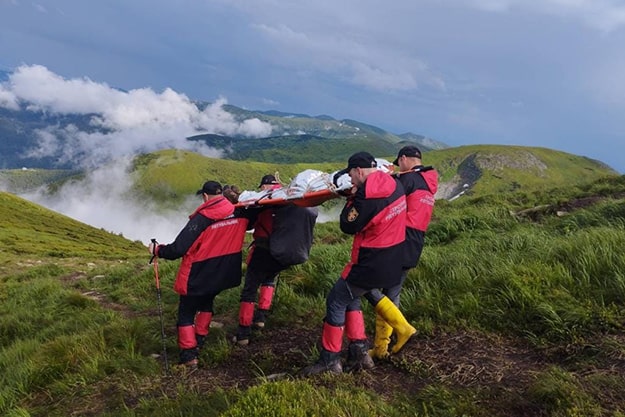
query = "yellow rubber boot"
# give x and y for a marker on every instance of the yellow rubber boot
(382, 338)
(391, 314)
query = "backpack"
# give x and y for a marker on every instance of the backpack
(292, 234)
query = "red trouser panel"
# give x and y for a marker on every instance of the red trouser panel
(186, 337)
(202, 322)
(265, 297)
(246, 313)
(332, 338)
(355, 325)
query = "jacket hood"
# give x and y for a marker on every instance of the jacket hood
(431, 178)
(429, 174)
(216, 209)
(379, 185)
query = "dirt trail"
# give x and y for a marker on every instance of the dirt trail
(462, 359)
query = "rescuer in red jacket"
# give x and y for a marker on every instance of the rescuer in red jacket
(376, 216)
(420, 184)
(210, 246)
(262, 270)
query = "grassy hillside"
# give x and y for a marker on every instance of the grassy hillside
(172, 175)
(298, 138)
(326, 127)
(519, 300)
(334, 139)
(298, 148)
(19, 180)
(497, 168)
(29, 229)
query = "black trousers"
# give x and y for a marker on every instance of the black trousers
(190, 305)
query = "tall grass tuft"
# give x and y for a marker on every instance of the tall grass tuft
(301, 399)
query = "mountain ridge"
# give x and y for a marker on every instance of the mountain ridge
(20, 132)
(472, 169)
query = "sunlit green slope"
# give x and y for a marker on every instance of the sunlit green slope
(486, 169)
(29, 229)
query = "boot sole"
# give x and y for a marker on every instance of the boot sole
(378, 355)
(191, 365)
(240, 342)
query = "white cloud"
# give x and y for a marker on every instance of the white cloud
(139, 120)
(228, 125)
(136, 121)
(43, 90)
(48, 144)
(104, 199)
(8, 99)
(269, 102)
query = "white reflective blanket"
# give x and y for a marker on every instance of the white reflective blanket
(308, 181)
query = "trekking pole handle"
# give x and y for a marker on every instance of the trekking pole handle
(153, 240)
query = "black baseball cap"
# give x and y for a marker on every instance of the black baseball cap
(358, 160)
(210, 187)
(409, 151)
(268, 179)
(361, 160)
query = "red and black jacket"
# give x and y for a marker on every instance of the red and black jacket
(259, 256)
(210, 246)
(376, 216)
(420, 184)
(263, 223)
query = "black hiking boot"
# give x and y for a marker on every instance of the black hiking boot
(327, 362)
(188, 358)
(243, 336)
(260, 316)
(358, 358)
(200, 341)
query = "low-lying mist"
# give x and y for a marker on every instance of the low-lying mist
(122, 125)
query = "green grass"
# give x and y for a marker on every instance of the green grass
(54, 339)
(79, 322)
(28, 229)
(301, 399)
(19, 180)
(170, 176)
(506, 169)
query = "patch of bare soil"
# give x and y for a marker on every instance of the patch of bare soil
(459, 360)
(562, 209)
(500, 369)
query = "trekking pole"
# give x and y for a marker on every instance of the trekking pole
(154, 261)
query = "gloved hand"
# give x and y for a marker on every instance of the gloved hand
(349, 192)
(336, 175)
(152, 248)
(342, 182)
(385, 166)
(231, 192)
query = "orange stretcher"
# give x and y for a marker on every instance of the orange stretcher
(310, 199)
